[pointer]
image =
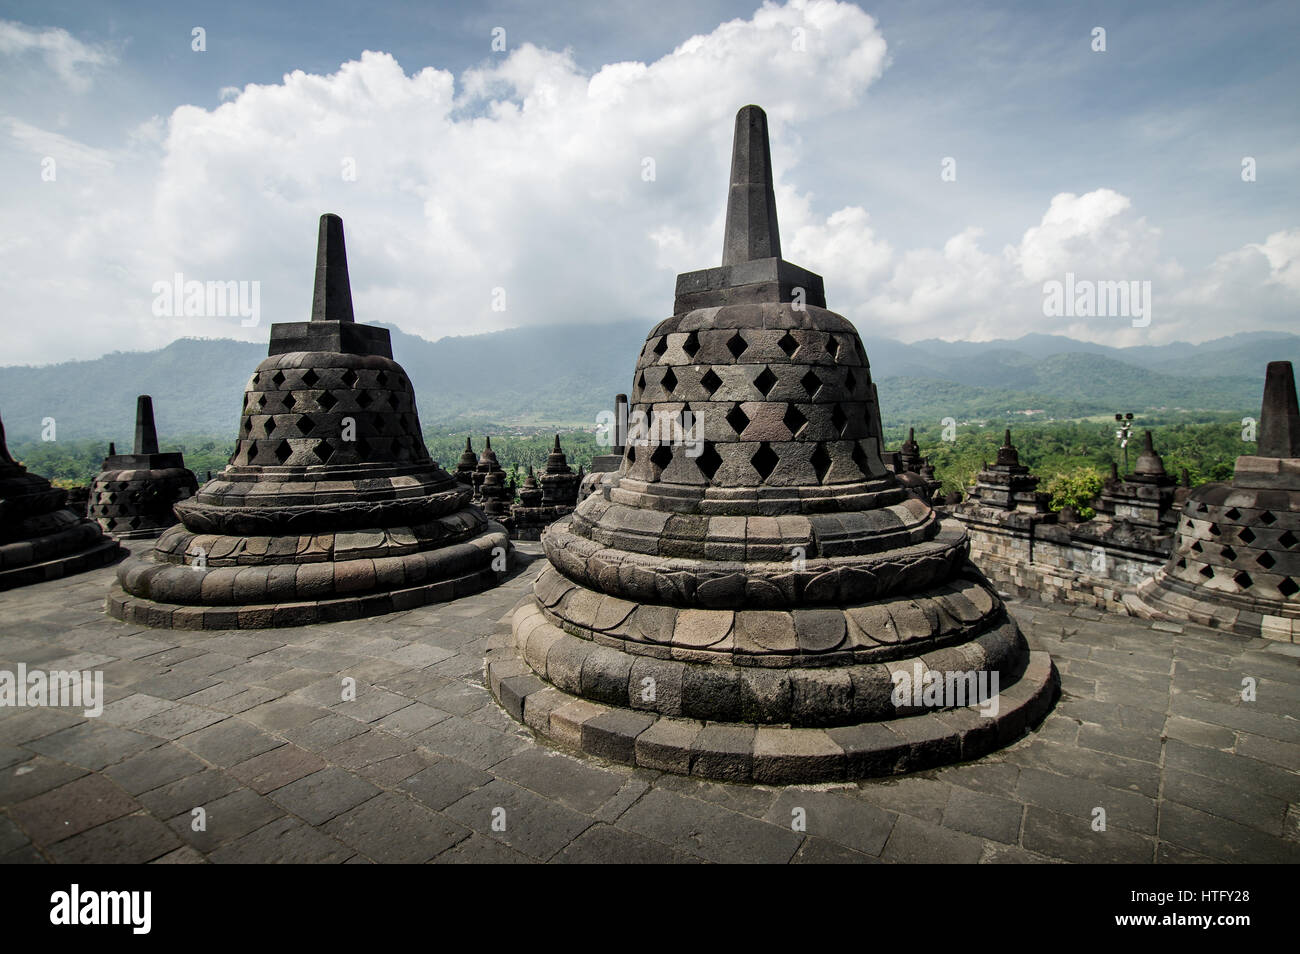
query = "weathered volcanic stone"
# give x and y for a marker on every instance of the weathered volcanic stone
(1236, 558)
(330, 507)
(753, 567)
(40, 539)
(133, 494)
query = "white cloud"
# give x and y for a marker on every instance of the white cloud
(71, 59)
(525, 173)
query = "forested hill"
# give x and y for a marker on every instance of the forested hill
(564, 375)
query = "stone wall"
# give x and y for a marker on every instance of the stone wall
(1071, 563)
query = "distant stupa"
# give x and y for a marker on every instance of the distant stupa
(330, 507)
(1236, 559)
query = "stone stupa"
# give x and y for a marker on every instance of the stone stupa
(1236, 556)
(40, 538)
(736, 604)
(133, 494)
(330, 507)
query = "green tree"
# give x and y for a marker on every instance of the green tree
(1076, 488)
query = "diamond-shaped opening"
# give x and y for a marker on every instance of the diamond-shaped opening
(393, 400)
(821, 461)
(661, 346)
(1287, 540)
(631, 453)
(1232, 514)
(349, 377)
(1242, 579)
(811, 383)
(1229, 553)
(1182, 563)
(327, 400)
(709, 461)
(248, 425)
(304, 425)
(839, 419)
(832, 346)
(1214, 530)
(860, 458)
(1265, 560)
(711, 382)
(794, 419)
(736, 344)
(1288, 587)
(363, 449)
(269, 426)
(1267, 519)
(283, 451)
(669, 381)
(662, 457)
(261, 400)
(1207, 571)
(737, 419)
(789, 344)
(289, 401)
(323, 451)
(765, 382)
(364, 399)
(640, 382)
(1202, 508)
(382, 379)
(850, 382)
(1196, 546)
(691, 344)
(765, 460)
(310, 378)
(278, 378)
(1246, 535)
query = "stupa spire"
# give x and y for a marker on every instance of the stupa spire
(146, 434)
(1279, 419)
(332, 296)
(752, 231)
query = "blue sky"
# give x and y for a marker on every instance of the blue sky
(1123, 164)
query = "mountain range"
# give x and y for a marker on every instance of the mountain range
(563, 375)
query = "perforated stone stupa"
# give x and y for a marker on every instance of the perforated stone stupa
(738, 606)
(1236, 556)
(40, 538)
(133, 494)
(330, 507)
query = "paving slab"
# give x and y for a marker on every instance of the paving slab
(252, 727)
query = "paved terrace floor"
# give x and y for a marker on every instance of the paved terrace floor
(249, 725)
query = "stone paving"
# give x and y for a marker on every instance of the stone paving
(250, 726)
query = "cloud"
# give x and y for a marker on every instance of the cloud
(528, 175)
(63, 52)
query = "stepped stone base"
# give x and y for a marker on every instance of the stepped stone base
(275, 595)
(774, 754)
(98, 554)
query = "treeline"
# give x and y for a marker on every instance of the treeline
(1206, 445)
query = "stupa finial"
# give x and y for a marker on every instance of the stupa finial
(146, 435)
(332, 297)
(1279, 419)
(752, 231)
